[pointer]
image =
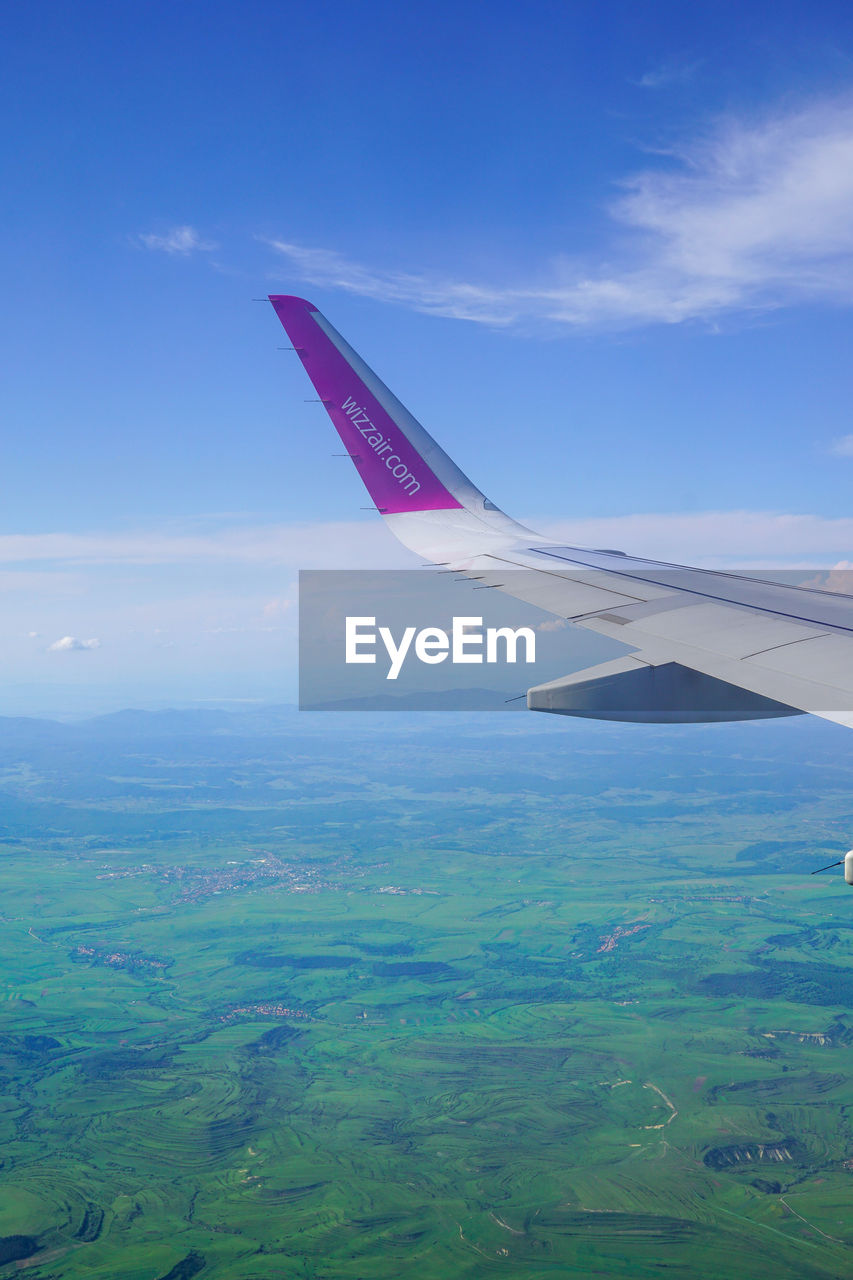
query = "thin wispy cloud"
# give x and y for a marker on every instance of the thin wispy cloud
(843, 447)
(183, 240)
(751, 216)
(436, 295)
(668, 73)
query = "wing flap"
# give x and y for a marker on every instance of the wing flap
(631, 689)
(771, 674)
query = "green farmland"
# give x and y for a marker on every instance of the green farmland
(352, 1004)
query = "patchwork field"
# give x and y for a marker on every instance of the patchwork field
(358, 1001)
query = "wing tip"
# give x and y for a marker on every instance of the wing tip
(290, 302)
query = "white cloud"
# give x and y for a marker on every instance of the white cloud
(843, 447)
(38, 581)
(183, 239)
(666, 74)
(746, 539)
(185, 616)
(439, 296)
(839, 578)
(340, 545)
(718, 537)
(275, 608)
(752, 215)
(69, 644)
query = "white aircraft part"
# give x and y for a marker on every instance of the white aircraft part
(786, 644)
(632, 689)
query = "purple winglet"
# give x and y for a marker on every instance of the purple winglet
(394, 472)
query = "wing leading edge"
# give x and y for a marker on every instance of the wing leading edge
(705, 645)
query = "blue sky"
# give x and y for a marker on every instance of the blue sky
(603, 251)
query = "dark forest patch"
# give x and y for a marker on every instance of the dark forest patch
(187, 1267)
(412, 969)
(808, 1085)
(802, 983)
(14, 1248)
(267, 960)
(109, 1064)
(28, 1047)
(387, 949)
(272, 1041)
(90, 1227)
(744, 1155)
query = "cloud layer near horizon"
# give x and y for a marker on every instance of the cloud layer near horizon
(752, 215)
(744, 538)
(215, 613)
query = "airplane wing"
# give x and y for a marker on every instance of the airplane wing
(704, 645)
